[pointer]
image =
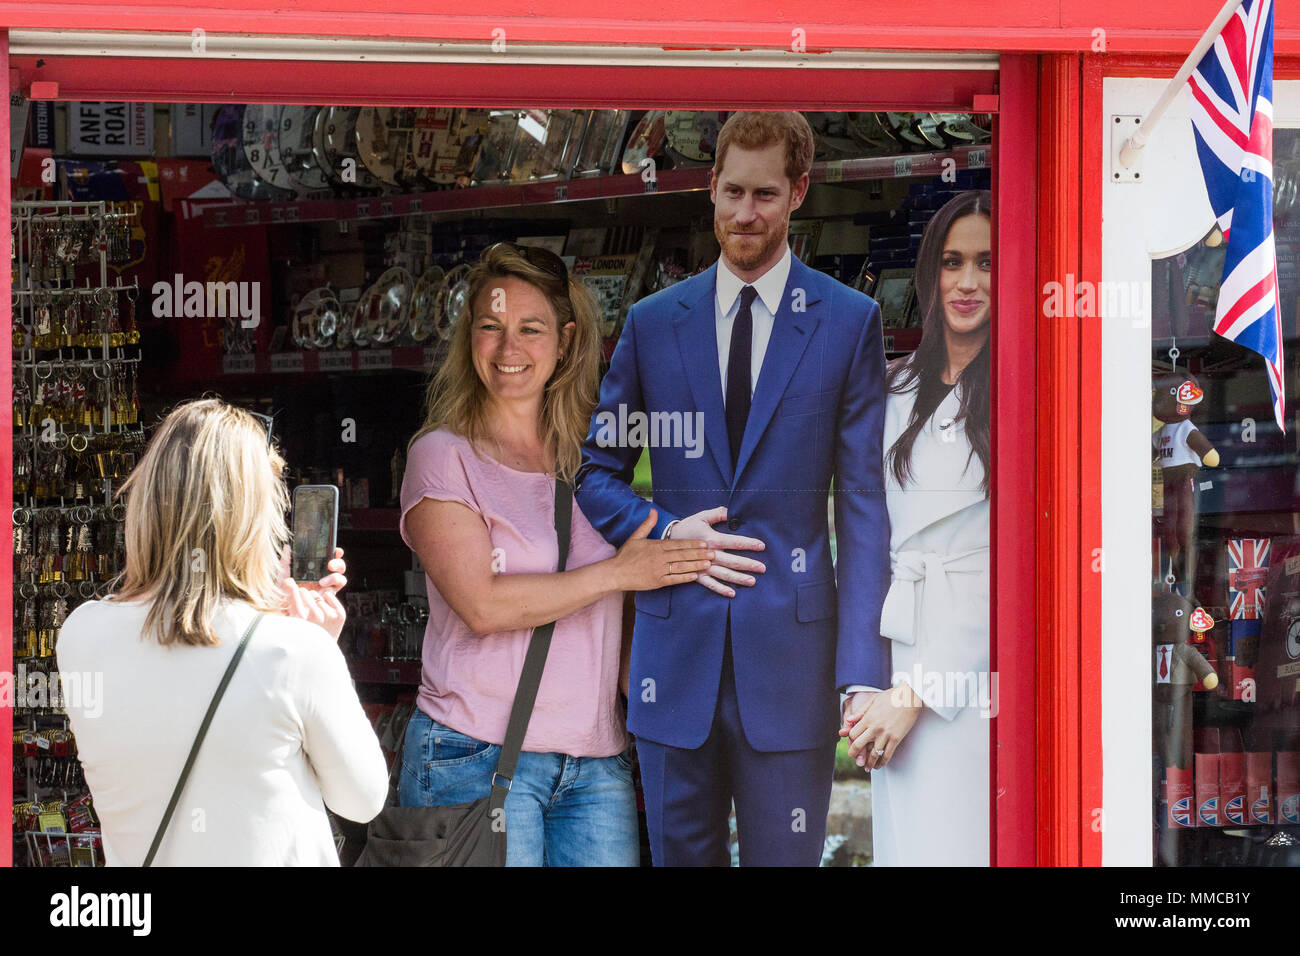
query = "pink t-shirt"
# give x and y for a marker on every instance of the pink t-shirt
(468, 681)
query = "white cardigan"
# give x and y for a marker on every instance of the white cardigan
(289, 738)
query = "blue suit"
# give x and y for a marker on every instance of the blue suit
(806, 628)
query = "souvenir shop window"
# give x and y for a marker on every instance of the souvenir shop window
(1225, 630)
(343, 236)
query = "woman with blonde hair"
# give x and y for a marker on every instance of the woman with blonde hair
(506, 416)
(205, 598)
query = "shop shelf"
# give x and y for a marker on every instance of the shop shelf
(216, 215)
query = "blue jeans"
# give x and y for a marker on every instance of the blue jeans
(561, 810)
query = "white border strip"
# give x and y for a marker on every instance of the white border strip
(236, 46)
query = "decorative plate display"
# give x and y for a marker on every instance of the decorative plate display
(452, 300)
(297, 129)
(362, 320)
(647, 139)
(316, 319)
(261, 138)
(385, 312)
(230, 163)
(423, 316)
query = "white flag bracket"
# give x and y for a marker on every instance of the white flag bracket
(1127, 156)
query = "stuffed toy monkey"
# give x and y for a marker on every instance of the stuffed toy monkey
(1178, 667)
(1182, 451)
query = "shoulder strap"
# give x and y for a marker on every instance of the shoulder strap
(198, 740)
(534, 661)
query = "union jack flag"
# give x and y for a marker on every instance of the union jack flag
(1232, 119)
(1247, 571)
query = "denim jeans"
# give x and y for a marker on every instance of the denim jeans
(561, 810)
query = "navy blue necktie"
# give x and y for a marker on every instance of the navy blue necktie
(738, 378)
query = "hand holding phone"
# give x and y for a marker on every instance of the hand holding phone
(315, 531)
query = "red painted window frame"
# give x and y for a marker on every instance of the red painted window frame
(1014, 803)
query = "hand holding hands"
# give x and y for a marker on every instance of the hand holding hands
(876, 724)
(727, 569)
(645, 563)
(316, 601)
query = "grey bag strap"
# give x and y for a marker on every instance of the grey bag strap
(198, 740)
(534, 662)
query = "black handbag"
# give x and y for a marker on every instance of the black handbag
(473, 833)
(198, 739)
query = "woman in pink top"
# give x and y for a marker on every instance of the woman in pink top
(507, 413)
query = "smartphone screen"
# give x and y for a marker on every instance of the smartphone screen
(315, 531)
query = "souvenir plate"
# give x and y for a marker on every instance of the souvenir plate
(452, 301)
(647, 139)
(423, 320)
(316, 319)
(385, 313)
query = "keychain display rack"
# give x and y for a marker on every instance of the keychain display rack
(76, 435)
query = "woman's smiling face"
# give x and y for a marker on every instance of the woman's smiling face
(515, 343)
(965, 275)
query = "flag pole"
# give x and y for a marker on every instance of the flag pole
(1128, 153)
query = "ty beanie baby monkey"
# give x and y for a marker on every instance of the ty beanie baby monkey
(1182, 450)
(1178, 667)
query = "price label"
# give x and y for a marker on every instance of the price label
(417, 205)
(835, 171)
(282, 362)
(429, 356)
(363, 210)
(291, 214)
(386, 208)
(219, 217)
(977, 159)
(336, 361)
(903, 166)
(42, 743)
(375, 358)
(889, 343)
(252, 216)
(394, 675)
(652, 184)
(277, 214)
(561, 192)
(239, 364)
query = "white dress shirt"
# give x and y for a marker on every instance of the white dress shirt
(770, 286)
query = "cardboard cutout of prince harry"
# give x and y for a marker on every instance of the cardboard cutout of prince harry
(734, 677)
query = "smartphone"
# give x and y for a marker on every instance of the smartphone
(315, 531)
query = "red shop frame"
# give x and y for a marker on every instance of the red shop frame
(1020, 813)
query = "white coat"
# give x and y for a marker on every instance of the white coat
(930, 804)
